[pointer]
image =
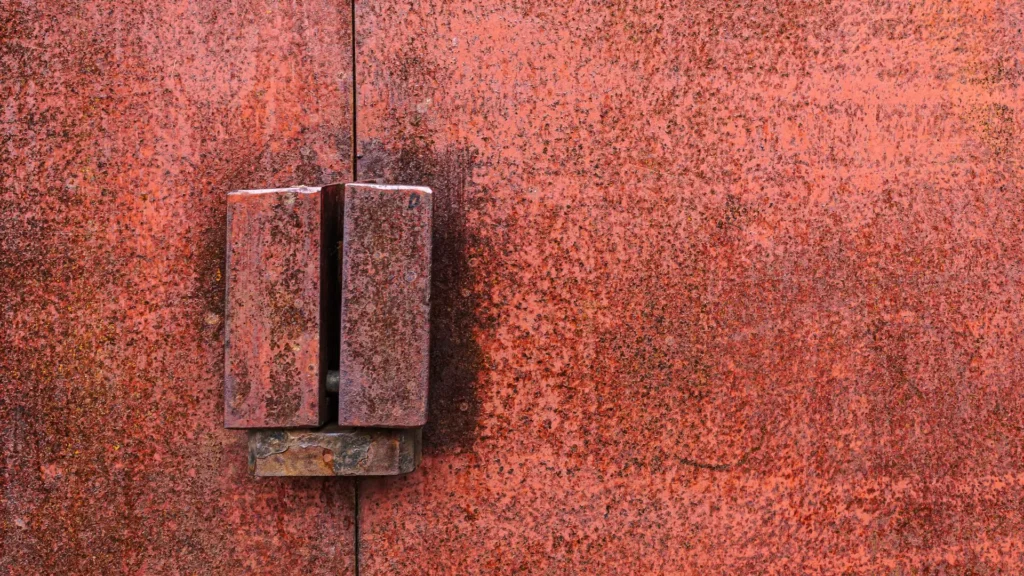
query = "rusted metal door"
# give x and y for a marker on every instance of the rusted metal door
(720, 287)
(122, 126)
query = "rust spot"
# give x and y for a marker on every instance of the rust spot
(996, 127)
(209, 260)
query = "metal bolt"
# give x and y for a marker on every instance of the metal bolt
(333, 381)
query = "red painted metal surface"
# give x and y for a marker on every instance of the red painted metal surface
(122, 126)
(275, 375)
(719, 287)
(385, 291)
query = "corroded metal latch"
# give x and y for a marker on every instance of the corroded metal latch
(327, 327)
(334, 451)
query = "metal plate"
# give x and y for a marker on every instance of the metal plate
(385, 306)
(276, 265)
(334, 451)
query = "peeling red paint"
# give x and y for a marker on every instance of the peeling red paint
(738, 285)
(122, 126)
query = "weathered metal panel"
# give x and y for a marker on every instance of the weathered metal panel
(385, 306)
(122, 124)
(274, 374)
(719, 287)
(334, 451)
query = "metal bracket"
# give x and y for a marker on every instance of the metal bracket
(334, 451)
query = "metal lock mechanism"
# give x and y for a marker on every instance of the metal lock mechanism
(327, 327)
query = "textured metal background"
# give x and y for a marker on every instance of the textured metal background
(122, 126)
(720, 287)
